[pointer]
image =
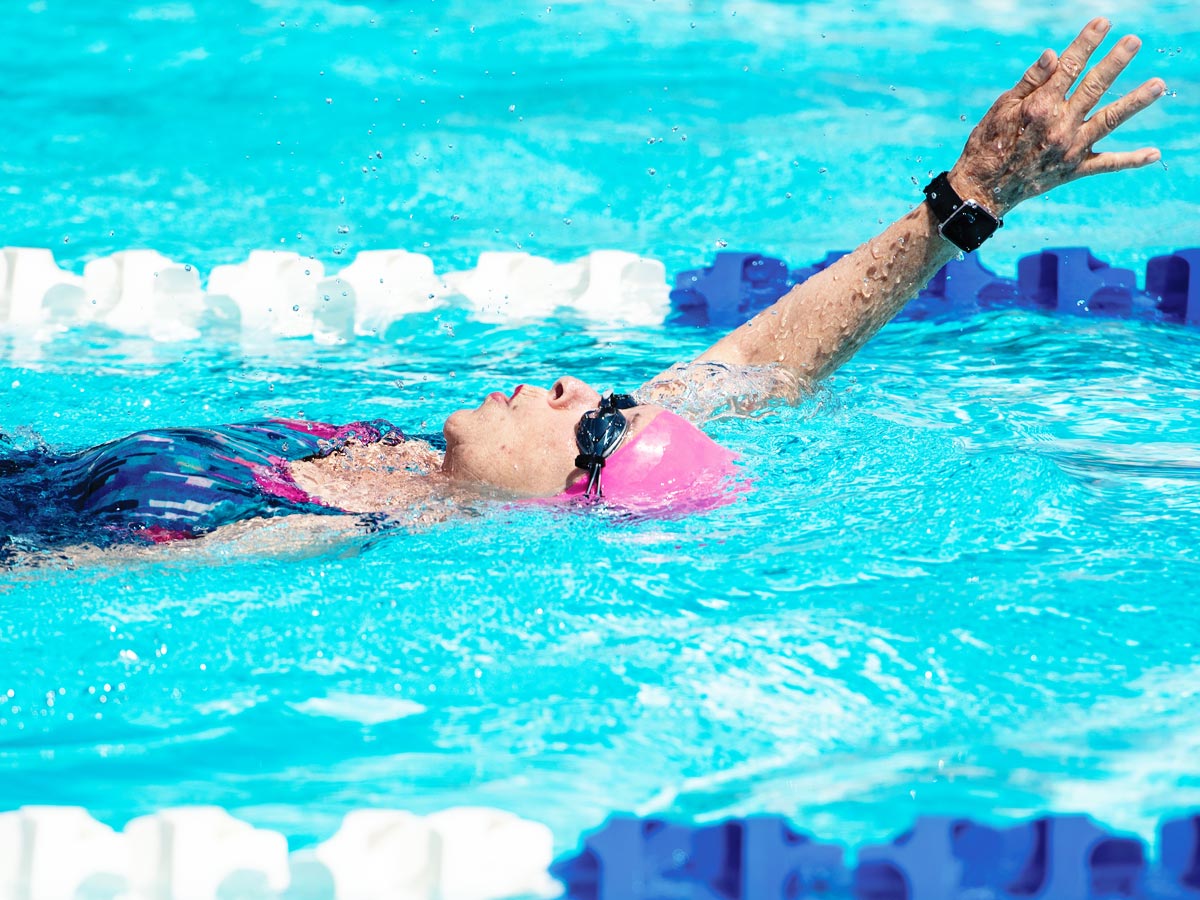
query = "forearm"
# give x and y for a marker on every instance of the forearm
(821, 323)
(1034, 138)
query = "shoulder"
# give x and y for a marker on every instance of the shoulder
(706, 389)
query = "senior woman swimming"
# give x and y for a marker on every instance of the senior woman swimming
(568, 440)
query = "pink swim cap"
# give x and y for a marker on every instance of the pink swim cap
(670, 465)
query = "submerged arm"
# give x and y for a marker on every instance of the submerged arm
(1034, 138)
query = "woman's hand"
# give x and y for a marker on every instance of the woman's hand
(1035, 137)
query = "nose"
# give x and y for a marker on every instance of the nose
(571, 393)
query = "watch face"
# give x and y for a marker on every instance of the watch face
(970, 226)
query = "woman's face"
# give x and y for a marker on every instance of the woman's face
(524, 443)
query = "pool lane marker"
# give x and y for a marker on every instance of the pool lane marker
(1061, 857)
(477, 853)
(1064, 280)
(463, 853)
(276, 294)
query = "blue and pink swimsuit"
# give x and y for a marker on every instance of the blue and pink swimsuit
(168, 484)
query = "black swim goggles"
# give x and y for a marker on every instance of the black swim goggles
(598, 435)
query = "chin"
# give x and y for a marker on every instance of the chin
(454, 427)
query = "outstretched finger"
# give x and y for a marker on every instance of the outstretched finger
(1111, 117)
(1075, 58)
(1117, 162)
(1036, 75)
(1096, 82)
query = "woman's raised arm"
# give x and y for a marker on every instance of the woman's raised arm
(1034, 138)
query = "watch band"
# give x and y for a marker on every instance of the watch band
(964, 223)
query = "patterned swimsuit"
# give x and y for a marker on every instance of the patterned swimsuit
(167, 484)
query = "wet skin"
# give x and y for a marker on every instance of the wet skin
(525, 443)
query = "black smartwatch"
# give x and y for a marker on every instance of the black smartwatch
(964, 223)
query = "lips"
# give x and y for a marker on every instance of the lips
(500, 398)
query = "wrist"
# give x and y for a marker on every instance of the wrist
(989, 197)
(963, 221)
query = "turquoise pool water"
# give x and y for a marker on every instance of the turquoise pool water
(964, 582)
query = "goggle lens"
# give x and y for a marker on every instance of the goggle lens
(598, 434)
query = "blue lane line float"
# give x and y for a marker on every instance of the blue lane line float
(1072, 280)
(1179, 845)
(1065, 856)
(756, 857)
(962, 288)
(1066, 280)
(939, 858)
(1175, 281)
(730, 291)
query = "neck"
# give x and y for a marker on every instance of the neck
(380, 478)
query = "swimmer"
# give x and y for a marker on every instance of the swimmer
(567, 442)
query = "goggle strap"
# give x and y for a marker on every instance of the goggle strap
(593, 465)
(594, 482)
